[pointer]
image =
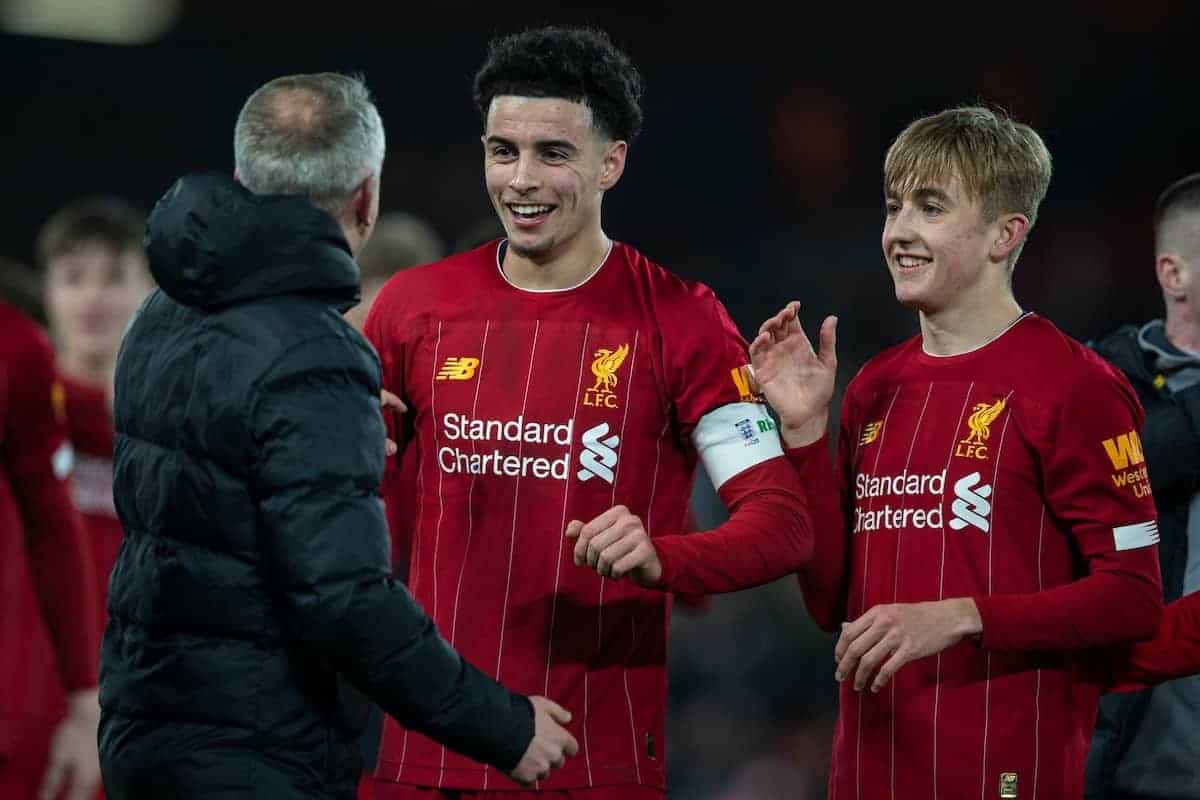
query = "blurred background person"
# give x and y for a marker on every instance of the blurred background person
(400, 240)
(49, 629)
(1147, 744)
(95, 275)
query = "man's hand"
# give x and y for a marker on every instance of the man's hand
(616, 544)
(388, 400)
(552, 744)
(73, 769)
(797, 382)
(894, 635)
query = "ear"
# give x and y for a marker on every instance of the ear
(612, 164)
(363, 204)
(1011, 230)
(1172, 276)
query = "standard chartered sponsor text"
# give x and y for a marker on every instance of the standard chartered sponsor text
(913, 494)
(473, 460)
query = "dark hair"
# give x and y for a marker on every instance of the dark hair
(103, 218)
(1180, 197)
(578, 64)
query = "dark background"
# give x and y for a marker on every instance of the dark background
(758, 172)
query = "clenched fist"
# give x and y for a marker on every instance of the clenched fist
(616, 545)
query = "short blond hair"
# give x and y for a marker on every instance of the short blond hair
(1003, 164)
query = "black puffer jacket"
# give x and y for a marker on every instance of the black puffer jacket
(252, 591)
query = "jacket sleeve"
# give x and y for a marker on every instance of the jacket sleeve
(319, 443)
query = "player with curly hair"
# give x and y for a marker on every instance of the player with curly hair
(561, 389)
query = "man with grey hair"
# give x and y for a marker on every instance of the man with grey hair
(251, 602)
(1147, 745)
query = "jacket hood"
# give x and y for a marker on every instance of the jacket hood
(213, 243)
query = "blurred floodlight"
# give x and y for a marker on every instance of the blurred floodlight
(105, 21)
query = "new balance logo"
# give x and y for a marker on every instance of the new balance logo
(458, 368)
(1124, 450)
(599, 454)
(971, 506)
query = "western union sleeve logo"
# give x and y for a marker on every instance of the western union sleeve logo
(742, 380)
(604, 366)
(458, 368)
(1124, 450)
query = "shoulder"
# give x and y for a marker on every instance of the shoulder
(882, 369)
(667, 289)
(19, 328)
(22, 340)
(1061, 364)
(1066, 379)
(437, 281)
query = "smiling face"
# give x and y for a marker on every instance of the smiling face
(546, 168)
(938, 246)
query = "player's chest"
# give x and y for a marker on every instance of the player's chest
(541, 382)
(944, 448)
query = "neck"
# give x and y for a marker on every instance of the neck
(557, 270)
(967, 325)
(90, 371)
(1183, 331)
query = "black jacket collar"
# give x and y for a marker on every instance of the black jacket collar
(212, 243)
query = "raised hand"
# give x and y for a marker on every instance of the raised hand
(797, 381)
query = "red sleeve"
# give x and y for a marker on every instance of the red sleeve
(38, 457)
(706, 363)
(1174, 652)
(823, 582)
(1095, 485)
(768, 535)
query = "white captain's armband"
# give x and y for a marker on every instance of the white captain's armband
(734, 438)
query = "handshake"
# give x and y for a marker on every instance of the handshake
(551, 743)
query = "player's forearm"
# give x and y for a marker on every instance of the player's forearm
(768, 535)
(823, 580)
(1105, 608)
(1174, 652)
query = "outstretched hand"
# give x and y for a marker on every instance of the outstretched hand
(797, 381)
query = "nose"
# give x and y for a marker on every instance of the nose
(898, 228)
(525, 174)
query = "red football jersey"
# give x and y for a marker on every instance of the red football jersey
(90, 426)
(48, 632)
(529, 409)
(1008, 474)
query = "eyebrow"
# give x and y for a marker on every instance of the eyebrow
(544, 144)
(924, 193)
